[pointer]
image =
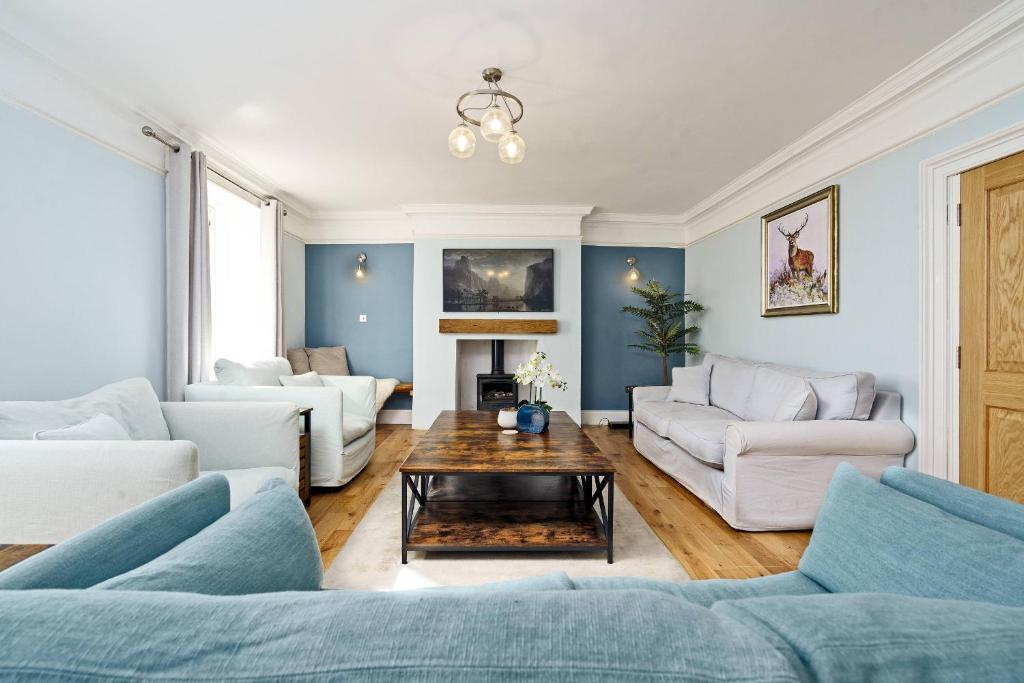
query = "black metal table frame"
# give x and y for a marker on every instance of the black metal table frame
(592, 489)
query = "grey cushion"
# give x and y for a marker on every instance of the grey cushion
(778, 397)
(657, 415)
(691, 385)
(703, 439)
(132, 402)
(841, 395)
(97, 428)
(732, 381)
(262, 373)
(328, 360)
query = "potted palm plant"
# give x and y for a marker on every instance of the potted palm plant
(664, 314)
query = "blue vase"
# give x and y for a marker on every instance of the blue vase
(532, 419)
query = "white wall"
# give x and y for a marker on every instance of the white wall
(434, 355)
(294, 277)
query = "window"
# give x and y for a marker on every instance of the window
(242, 278)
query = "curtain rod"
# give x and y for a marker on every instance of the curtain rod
(150, 133)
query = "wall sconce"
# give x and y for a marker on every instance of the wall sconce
(632, 274)
(361, 265)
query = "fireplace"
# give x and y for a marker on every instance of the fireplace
(496, 389)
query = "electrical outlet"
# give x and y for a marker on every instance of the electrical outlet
(362, 317)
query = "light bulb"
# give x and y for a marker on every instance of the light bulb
(359, 272)
(462, 142)
(634, 274)
(494, 123)
(511, 148)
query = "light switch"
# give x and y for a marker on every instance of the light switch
(362, 317)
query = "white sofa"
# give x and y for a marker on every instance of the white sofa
(758, 442)
(343, 419)
(52, 490)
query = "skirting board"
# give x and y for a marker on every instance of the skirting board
(596, 417)
(394, 417)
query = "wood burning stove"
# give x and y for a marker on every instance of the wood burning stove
(496, 389)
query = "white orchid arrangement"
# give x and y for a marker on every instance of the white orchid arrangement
(538, 373)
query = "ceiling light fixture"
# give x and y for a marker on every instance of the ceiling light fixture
(501, 112)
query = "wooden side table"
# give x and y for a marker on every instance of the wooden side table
(305, 435)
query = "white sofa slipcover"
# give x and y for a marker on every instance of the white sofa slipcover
(344, 419)
(760, 454)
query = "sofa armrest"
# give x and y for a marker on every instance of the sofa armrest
(360, 393)
(650, 394)
(53, 490)
(237, 434)
(819, 437)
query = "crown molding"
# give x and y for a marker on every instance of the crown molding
(978, 66)
(358, 227)
(502, 221)
(633, 230)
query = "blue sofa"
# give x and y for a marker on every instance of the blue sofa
(909, 579)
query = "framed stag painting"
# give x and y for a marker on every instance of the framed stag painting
(800, 256)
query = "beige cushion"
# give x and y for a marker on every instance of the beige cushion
(328, 360)
(778, 397)
(691, 385)
(658, 415)
(353, 427)
(703, 439)
(299, 361)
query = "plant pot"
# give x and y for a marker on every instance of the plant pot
(532, 419)
(507, 418)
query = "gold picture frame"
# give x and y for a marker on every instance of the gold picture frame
(792, 280)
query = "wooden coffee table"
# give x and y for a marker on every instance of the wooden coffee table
(468, 487)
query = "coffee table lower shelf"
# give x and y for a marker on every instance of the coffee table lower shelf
(507, 513)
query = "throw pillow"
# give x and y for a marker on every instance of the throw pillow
(691, 385)
(308, 379)
(97, 428)
(262, 373)
(299, 361)
(328, 360)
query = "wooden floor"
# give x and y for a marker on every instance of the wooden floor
(705, 545)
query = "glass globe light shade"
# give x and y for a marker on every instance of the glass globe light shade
(511, 148)
(462, 142)
(494, 123)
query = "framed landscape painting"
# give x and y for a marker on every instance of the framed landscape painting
(499, 280)
(800, 256)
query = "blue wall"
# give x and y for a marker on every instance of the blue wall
(608, 366)
(876, 328)
(81, 263)
(382, 346)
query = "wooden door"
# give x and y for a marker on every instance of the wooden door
(992, 328)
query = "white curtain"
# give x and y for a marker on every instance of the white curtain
(272, 234)
(187, 271)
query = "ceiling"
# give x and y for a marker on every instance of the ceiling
(640, 107)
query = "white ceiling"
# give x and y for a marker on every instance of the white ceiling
(642, 107)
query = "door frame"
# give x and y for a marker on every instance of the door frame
(939, 296)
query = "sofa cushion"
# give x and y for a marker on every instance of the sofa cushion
(247, 481)
(778, 397)
(97, 428)
(353, 427)
(709, 591)
(261, 373)
(872, 538)
(864, 637)
(424, 635)
(703, 439)
(328, 360)
(266, 545)
(657, 415)
(299, 361)
(731, 383)
(691, 385)
(124, 542)
(306, 379)
(841, 395)
(967, 503)
(132, 402)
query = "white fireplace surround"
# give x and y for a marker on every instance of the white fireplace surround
(436, 356)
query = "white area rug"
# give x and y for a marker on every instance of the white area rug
(371, 559)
